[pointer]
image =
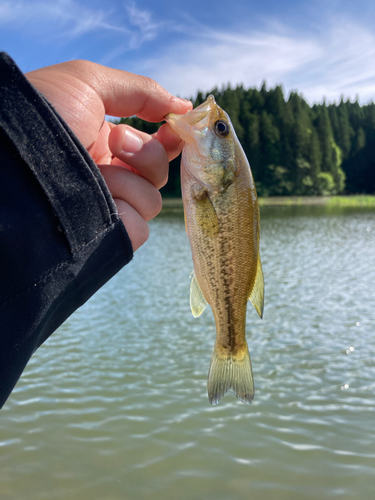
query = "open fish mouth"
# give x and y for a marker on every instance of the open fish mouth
(182, 123)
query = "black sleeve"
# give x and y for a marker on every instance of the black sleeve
(61, 237)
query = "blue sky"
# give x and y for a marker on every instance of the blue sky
(318, 48)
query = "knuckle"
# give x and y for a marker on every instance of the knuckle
(152, 91)
(149, 85)
(154, 205)
(144, 232)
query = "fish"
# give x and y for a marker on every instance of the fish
(223, 226)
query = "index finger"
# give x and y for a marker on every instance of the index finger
(127, 94)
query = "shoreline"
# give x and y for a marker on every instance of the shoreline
(349, 201)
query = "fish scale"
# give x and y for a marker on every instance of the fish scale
(222, 224)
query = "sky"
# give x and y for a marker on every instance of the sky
(322, 50)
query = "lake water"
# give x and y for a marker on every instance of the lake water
(114, 405)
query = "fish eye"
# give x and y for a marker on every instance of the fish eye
(221, 128)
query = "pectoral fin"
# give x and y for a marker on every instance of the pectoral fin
(206, 216)
(197, 301)
(257, 294)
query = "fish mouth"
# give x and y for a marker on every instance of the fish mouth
(182, 123)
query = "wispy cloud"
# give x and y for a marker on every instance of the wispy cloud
(345, 66)
(61, 16)
(72, 19)
(326, 64)
(328, 57)
(68, 20)
(146, 29)
(141, 28)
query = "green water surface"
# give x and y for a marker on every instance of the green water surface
(114, 407)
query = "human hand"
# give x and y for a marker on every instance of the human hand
(133, 163)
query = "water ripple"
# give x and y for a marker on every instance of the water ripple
(114, 405)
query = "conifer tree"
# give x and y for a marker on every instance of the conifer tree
(294, 149)
(344, 131)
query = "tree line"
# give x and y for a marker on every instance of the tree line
(294, 149)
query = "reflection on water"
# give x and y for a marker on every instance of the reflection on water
(114, 405)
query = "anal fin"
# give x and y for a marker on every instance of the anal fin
(197, 301)
(257, 294)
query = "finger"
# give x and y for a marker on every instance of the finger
(139, 193)
(170, 140)
(99, 150)
(136, 227)
(140, 151)
(127, 94)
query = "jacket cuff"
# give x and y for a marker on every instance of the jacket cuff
(61, 237)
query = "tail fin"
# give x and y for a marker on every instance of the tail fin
(229, 372)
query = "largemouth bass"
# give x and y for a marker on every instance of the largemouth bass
(222, 224)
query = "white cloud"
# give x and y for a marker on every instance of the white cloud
(60, 18)
(346, 65)
(333, 57)
(146, 28)
(339, 60)
(67, 20)
(142, 28)
(62, 14)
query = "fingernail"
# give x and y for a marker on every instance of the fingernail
(132, 142)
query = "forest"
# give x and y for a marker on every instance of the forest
(294, 149)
